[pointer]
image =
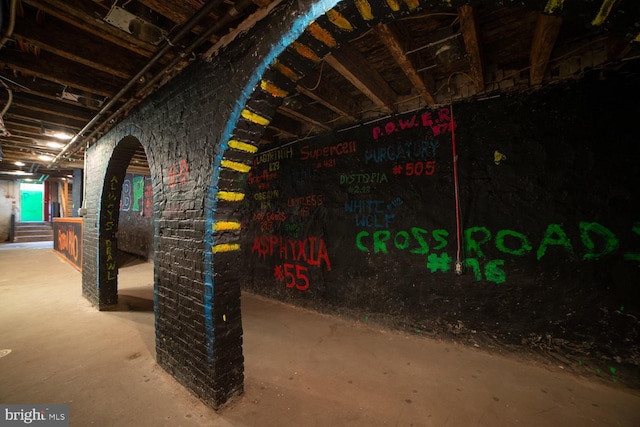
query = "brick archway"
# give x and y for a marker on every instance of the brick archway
(315, 33)
(100, 268)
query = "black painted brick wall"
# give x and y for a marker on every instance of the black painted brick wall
(181, 124)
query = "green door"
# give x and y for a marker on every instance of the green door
(32, 202)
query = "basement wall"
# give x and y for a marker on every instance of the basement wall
(362, 223)
(9, 193)
(206, 243)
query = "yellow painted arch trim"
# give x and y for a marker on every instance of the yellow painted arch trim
(321, 34)
(225, 247)
(338, 20)
(236, 166)
(226, 226)
(272, 89)
(305, 51)
(365, 9)
(553, 5)
(393, 5)
(255, 118)
(604, 12)
(414, 4)
(230, 196)
(286, 71)
(242, 146)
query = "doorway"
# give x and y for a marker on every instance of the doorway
(31, 202)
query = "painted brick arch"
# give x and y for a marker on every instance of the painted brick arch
(198, 319)
(312, 36)
(100, 271)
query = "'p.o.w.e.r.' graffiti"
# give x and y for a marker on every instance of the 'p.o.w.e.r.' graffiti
(438, 123)
(596, 242)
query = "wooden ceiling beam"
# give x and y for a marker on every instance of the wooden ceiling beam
(392, 41)
(288, 128)
(60, 38)
(31, 128)
(470, 34)
(327, 95)
(303, 117)
(60, 71)
(544, 40)
(181, 12)
(38, 117)
(59, 109)
(355, 68)
(80, 15)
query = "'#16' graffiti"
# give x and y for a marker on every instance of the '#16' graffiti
(597, 241)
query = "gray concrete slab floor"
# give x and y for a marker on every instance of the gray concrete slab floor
(301, 368)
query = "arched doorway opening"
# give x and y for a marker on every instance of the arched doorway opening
(273, 81)
(126, 231)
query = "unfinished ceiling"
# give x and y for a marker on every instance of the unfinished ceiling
(79, 67)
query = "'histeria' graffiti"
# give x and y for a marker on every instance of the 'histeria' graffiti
(597, 241)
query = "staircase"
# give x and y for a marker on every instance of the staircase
(33, 232)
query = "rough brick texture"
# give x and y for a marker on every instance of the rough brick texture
(185, 129)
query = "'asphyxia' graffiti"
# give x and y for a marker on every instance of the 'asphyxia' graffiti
(311, 250)
(596, 242)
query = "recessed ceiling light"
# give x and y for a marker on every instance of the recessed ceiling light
(53, 144)
(16, 173)
(64, 136)
(45, 158)
(19, 164)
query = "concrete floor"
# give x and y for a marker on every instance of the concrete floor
(301, 368)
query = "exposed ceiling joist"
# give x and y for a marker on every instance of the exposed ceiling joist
(315, 88)
(304, 117)
(470, 34)
(355, 68)
(58, 70)
(391, 40)
(64, 63)
(544, 40)
(86, 18)
(61, 39)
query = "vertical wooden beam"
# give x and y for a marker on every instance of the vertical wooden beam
(469, 28)
(544, 40)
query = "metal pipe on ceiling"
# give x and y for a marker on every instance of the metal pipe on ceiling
(168, 44)
(231, 13)
(11, 24)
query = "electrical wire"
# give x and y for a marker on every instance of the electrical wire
(458, 265)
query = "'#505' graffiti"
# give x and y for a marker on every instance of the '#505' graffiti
(597, 241)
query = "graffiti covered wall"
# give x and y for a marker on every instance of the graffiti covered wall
(364, 221)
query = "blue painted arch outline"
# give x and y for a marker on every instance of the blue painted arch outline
(361, 15)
